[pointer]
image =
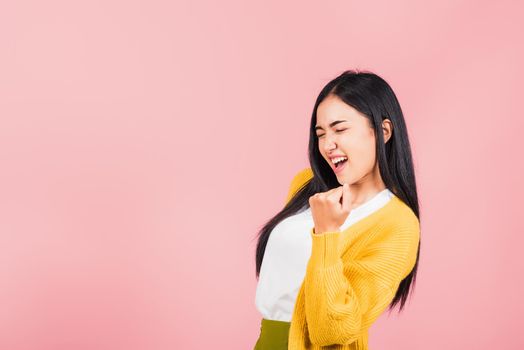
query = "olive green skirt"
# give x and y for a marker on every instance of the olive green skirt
(273, 335)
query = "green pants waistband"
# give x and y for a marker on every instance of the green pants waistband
(273, 335)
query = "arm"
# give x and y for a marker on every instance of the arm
(342, 301)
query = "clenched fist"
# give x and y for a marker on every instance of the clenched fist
(330, 209)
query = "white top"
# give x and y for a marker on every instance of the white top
(286, 256)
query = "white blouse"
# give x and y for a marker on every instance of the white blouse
(287, 254)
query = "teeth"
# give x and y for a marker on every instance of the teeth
(338, 159)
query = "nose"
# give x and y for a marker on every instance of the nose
(329, 143)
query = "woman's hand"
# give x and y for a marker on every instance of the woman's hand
(330, 209)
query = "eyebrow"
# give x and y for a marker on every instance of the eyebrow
(331, 124)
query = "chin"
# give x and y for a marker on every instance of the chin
(342, 180)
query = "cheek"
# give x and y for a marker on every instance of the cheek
(369, 157)
(363, 151)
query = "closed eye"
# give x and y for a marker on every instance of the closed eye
(339, 130)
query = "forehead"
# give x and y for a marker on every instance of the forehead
(333, 108)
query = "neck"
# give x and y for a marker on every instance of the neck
(366, 188)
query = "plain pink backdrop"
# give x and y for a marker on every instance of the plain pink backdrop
(144, 143)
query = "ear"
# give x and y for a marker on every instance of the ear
(387, 128)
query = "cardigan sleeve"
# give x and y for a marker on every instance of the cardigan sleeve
(342, 300)
(300, 179)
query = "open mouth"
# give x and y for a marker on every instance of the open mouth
(339, 162)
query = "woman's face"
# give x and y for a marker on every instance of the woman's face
(342, 130)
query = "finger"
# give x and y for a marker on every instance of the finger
(335, 194)
(331, 190)
(328, 193)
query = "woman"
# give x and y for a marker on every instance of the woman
(346, 244)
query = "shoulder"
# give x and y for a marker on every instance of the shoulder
(298, 181)
(401, 220)
(302, 176)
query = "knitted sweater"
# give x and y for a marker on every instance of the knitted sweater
(287, 253)
(352, 276)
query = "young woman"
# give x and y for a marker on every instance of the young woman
(346, 244)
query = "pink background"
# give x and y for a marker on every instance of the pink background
(143, 144)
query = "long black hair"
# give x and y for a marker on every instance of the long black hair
(371, 95)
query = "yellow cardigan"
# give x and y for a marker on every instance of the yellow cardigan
(352, 275)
